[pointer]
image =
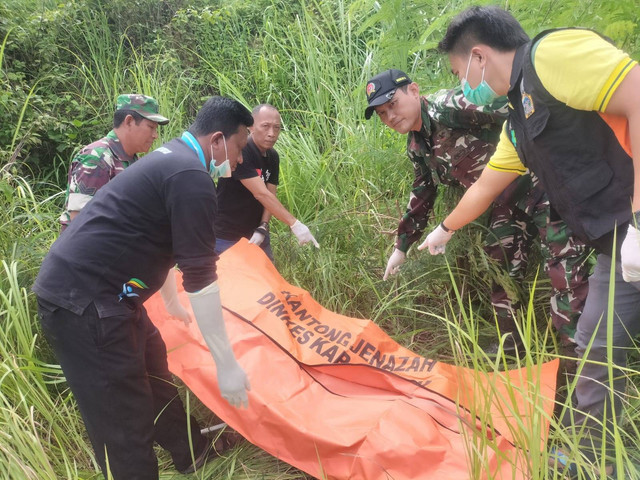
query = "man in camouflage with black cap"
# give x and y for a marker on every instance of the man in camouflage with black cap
(135, 125)
(449, 141)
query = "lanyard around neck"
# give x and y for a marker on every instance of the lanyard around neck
(191, 141)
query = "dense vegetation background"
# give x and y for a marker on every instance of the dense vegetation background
(64, 63)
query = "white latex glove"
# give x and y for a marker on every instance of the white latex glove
(630, 255)
(257, 238)
(436, 241)
(232, 380)
(303, 233)
(396, 259)
(169, 294)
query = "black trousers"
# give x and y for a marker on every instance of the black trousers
(117, 370)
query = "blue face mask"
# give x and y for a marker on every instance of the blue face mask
(483, 94)
(224, 169)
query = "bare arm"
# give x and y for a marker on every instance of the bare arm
(268, 200)
(625, 101)
(266, 214)
(478, 198)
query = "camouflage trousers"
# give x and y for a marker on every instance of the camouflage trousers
(512, 231)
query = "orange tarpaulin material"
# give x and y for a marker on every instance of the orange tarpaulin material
(337, 398)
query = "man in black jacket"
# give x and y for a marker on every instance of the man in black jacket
(113, 256)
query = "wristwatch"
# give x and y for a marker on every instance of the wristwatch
(263, 228)
(448, 230)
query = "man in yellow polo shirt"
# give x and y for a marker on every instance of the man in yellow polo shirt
(574, 113)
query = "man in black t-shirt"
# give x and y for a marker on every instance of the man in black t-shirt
(247, 200)
(115, 254)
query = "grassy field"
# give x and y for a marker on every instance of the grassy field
(63, 64)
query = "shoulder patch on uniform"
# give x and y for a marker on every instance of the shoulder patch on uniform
(527, 105)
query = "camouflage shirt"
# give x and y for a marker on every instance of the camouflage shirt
(455, 142)
(91, 169)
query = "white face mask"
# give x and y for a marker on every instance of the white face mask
(224, 169)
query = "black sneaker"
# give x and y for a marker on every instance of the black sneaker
(225, 441)
(512, 346)
(208, 453)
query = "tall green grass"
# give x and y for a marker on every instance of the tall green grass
(534, 458)
(42, 434)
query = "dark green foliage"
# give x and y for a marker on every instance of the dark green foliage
(51, 46)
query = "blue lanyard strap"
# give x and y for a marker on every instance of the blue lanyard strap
(191, 141)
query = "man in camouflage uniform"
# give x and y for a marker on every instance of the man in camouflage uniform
(135, 125)
(512, 231)
(449, 141)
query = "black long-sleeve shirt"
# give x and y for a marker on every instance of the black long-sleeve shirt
(116, 253)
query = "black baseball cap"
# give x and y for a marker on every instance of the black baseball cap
(381, 88)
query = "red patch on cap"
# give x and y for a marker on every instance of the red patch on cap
(371, 88)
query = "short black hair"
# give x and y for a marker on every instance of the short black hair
(268, 106)
(490, 25)
(220, 114)
(120, 115)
